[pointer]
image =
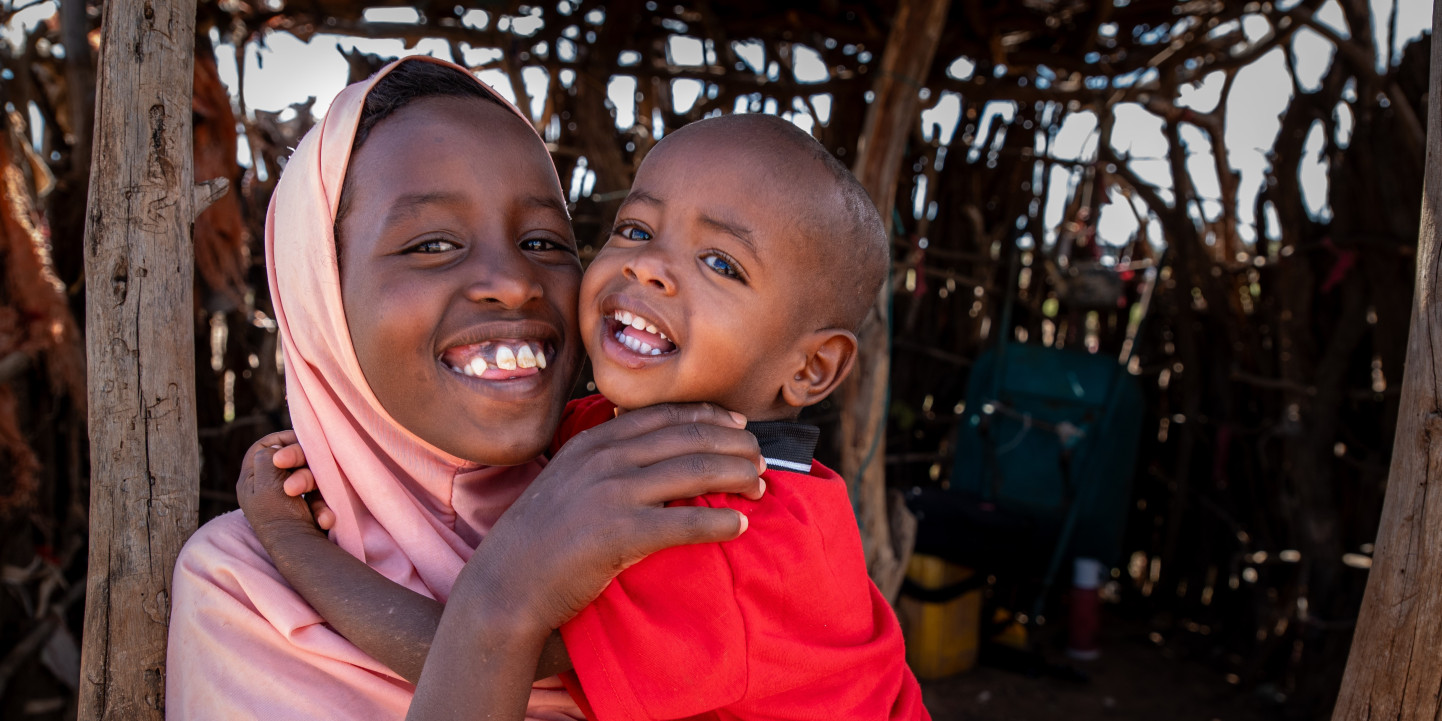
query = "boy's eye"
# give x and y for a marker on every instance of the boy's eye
(631, 232)
(721, 264)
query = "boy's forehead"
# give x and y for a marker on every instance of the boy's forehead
(733, 163)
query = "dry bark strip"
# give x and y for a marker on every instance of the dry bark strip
(140, 340)
(905, 63)
(1395, 667)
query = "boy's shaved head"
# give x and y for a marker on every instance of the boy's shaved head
(846, 248)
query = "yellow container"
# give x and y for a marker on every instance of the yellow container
(941, 638)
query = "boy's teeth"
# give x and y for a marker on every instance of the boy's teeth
(541, 359)
(525, 357)
(626, 317)
(505, 358)
(476, 367)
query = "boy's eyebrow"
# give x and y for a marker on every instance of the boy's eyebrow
(739, 232)
(643, 197)
(736, 230)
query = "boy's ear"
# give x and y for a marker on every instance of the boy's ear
(829, 355)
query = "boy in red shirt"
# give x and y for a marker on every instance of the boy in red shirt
(739, 265)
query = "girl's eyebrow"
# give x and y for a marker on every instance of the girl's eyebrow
(409, 205)
(549, 203)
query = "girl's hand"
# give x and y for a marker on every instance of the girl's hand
(599, 506)
(273, 486)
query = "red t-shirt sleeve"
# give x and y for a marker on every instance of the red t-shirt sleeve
(666, 639)
(781, 622)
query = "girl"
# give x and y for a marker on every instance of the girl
(424, 277)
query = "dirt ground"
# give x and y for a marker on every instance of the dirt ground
(1134, 679)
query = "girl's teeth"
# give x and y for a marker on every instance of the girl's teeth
(651, 329)
(638, 323)
(505, 358)
(625, 317)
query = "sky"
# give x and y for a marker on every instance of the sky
(286, 70)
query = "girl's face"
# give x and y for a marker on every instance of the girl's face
(459, 277)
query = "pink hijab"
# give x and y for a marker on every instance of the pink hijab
(242, 643)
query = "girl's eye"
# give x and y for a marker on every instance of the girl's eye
(541, 245)
(631, 232)
(435, 245)
(721, 264)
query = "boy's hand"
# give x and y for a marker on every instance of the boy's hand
(273, 484)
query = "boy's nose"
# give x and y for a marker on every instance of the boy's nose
(649, 269)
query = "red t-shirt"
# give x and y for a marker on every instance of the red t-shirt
(781, 623)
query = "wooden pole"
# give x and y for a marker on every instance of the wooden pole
(1395, 666)
(905, 64)
(144, 452)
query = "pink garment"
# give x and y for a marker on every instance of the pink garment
(243, 644)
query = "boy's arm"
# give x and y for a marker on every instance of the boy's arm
(388, 621)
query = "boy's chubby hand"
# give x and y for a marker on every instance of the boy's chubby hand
(273, 487)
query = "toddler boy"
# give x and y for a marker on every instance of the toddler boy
(741, 261)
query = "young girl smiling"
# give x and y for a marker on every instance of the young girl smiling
(419, 251)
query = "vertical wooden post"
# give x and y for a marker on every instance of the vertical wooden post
(144, 452)
(905, 65)
(1395, 666)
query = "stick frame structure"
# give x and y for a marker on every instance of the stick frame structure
(139, 275)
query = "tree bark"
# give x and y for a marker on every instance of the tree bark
(905, 63)
(1395, 666)
(139, 277)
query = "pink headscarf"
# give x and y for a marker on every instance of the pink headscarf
(243, 644)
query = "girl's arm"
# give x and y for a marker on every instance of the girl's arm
(386, 620)
(597, 508)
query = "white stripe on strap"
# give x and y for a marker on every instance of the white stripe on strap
(788, 465)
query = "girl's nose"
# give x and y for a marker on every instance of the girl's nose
(507, 284)
(649, 266)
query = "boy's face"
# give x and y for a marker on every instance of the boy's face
(706, 256)
(457, 254)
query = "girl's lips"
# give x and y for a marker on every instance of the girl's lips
(498, 359)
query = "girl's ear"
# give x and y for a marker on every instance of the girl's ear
(829, 355)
